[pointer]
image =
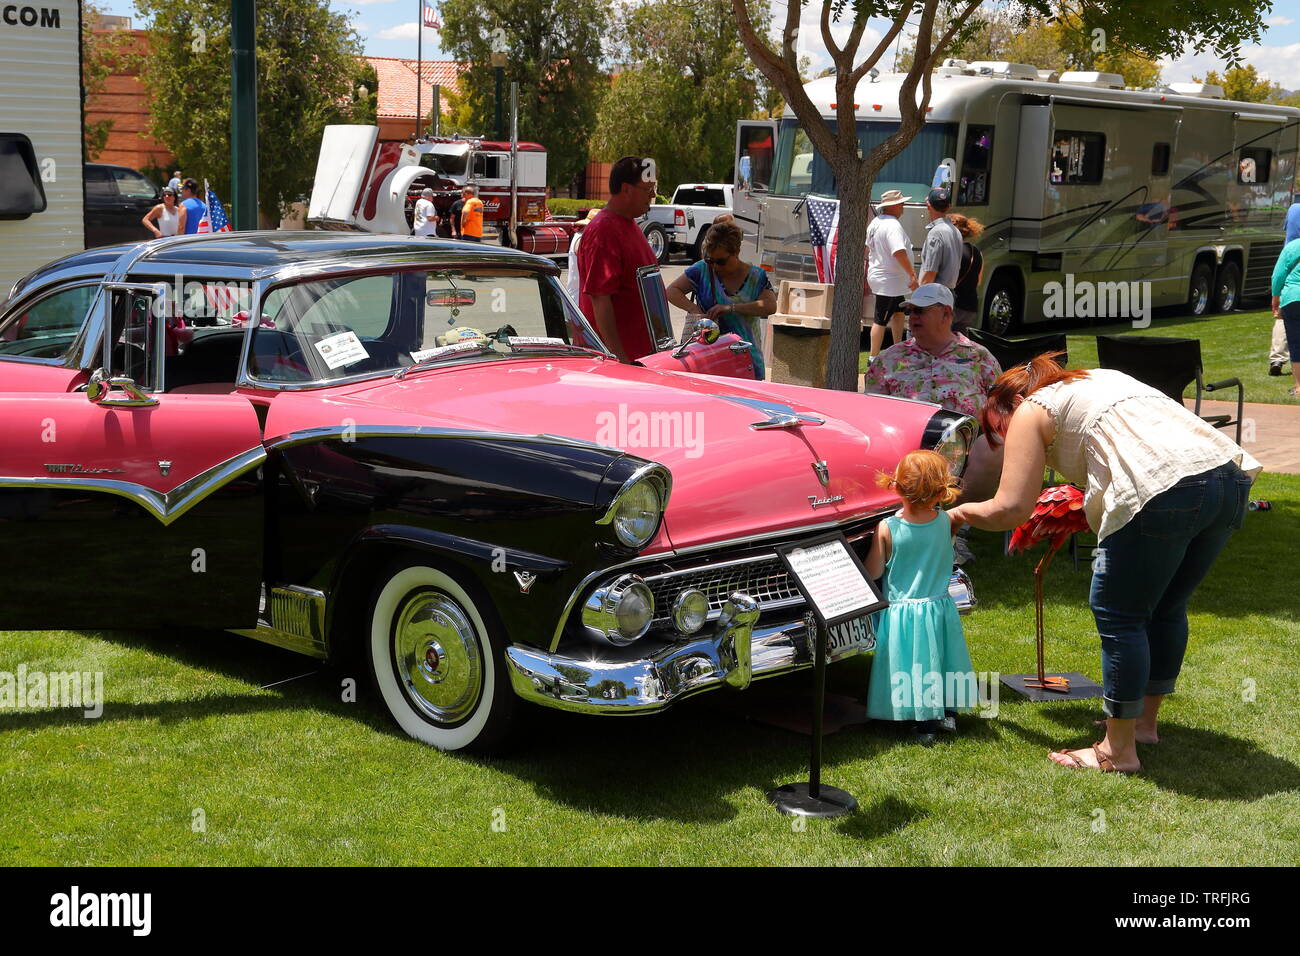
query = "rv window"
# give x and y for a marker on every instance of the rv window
(755, 158)
(21, 193)
(1160, 159)
(1077, 158)
(1253, 165)
(794, 161)
(976, 164)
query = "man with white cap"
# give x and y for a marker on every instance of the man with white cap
(942, 366)
(426, 215)
(889, 267)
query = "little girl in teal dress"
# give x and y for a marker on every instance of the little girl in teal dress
(922, 670)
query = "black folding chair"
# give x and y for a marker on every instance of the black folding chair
(1013, 352)
(1168, 365)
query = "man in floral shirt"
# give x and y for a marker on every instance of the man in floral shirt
(936, 364)
(942, 366)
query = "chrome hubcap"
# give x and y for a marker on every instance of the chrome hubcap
(437, 656)
(1201, 297)
(1000, 313)
(656, 242)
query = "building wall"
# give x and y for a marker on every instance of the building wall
(125, 101)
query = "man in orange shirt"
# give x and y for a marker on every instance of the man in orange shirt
(471, 215)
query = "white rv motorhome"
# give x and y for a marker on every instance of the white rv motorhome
(1072, 176)
(41, 201)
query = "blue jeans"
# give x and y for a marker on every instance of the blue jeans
(1145, 573)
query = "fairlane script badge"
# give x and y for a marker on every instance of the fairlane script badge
(818, 502)
(82, 470)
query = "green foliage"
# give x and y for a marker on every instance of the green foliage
(691, 82)
(308, 73)
(552, 50)
(560, 206)
(1243, 83)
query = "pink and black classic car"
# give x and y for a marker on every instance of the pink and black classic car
(417, 457)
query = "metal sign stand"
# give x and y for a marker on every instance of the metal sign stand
(812, 799)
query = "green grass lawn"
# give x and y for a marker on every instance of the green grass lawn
(1234, 345)
(194, 763)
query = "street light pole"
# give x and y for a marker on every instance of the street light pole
(243, 114)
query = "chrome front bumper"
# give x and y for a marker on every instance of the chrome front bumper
(733, 656)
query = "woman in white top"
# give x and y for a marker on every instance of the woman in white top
(169, 215)
(571, 282)
(426, 214)
(1164, 493)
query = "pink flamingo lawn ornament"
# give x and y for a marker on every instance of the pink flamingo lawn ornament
(1057, 515)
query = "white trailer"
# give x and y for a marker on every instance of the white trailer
(41, 200)
(1076, 179)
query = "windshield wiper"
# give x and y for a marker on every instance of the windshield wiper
(459, 350)
(541, 344)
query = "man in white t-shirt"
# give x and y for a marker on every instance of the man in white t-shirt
(426, 215)
(889, 267)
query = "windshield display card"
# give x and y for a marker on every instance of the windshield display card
(343, 348)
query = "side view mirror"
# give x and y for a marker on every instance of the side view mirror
(702, 330)
(99, 391)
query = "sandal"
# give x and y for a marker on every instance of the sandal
(1104, 763)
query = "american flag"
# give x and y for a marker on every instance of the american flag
(824, 231)
(214, 214)
(430, 16)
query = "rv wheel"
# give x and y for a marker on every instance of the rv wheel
(1002, 305)
(1227, 289)
(1200, 289)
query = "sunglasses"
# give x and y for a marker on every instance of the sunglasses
(719, 262)
(913, 309)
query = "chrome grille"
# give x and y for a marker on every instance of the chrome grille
(762, 577)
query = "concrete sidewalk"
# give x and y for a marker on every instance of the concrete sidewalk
(1269, 432)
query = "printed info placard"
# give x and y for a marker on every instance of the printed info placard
(832, 578)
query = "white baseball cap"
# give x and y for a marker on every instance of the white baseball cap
(932, 293)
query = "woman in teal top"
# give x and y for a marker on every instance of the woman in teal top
(727, 289)
(1286, 302)
(922, 670)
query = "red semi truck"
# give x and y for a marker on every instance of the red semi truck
(364, 184)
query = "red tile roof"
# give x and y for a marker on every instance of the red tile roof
(397, 83)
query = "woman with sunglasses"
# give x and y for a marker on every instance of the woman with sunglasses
(170, 216)
(727, 289)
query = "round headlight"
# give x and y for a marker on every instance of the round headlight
(620, 612)
(636, 513)
(951, 435)
(690, 611)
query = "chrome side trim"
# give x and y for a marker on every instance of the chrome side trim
(168, 507)
(325, 433)
(295, 621)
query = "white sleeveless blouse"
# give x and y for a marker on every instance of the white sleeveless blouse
(167, 223)
(1128, 442)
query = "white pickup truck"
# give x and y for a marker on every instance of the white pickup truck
(680, 226)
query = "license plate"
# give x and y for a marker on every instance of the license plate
(850, 637)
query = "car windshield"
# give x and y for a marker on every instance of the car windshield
(330, 329)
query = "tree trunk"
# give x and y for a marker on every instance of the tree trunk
(850, 269)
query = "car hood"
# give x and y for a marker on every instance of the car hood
(730, 478)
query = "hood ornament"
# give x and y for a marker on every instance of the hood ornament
(778, 415)
(823, 470)
(525, 579)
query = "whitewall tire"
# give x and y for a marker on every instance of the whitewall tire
(435, 663)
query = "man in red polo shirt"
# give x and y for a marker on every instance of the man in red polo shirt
(612, 249)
